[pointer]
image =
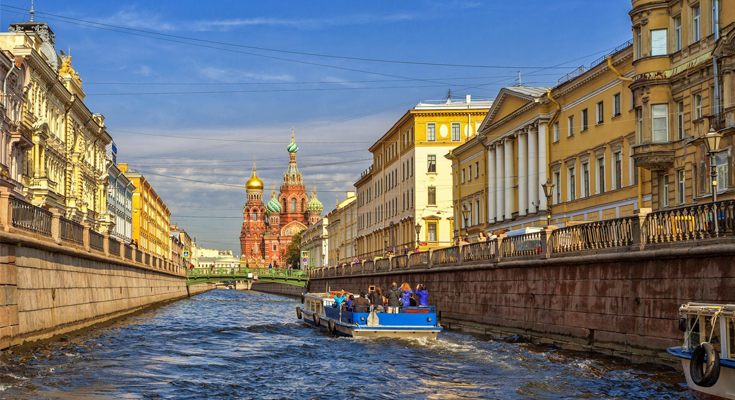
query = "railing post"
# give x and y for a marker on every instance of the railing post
(390, 263)
(6, 210)
(460, 256)
(430, 261)
(106, 243)
(637, 228)
(85, 237)
(545, 241)
(56, 225)
(498, 244)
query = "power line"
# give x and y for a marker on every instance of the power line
(264, 90)
(375, 60)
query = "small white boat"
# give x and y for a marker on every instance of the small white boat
(708, 353)
(367, 321)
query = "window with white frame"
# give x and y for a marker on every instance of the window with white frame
(601, 175)
(639, 123)
(572, 183)
(431, 196)
(713, 18)
(556, 131)
(616, 105)
(664, 190)
(680, 120)
(618, 170)
(632, 168)
(600, 113)
(469, 173)
(431, 161)
(696, 24)
(660, 122)
(557, 185)
(479, 211)
(585, 120)
(723, 171)
(680, 187)
(431, 132)
(697, 106)
(638, 43)
(570, 126)
(658, 42)
(678, 43)
(431, 232)
(586, 179)
(464, 175)
(455, 132)
(477, 169)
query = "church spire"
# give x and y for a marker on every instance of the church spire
(292, 177)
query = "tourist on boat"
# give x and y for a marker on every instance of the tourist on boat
(394, 298)
(361, 304)
(423, 295)
(377, 299)
(339, 298)
(348, 303)
(406, 293)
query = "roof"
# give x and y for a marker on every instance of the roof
(454, 105)
(524, 92)
(528, 91)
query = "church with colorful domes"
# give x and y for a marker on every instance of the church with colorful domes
(267, 228)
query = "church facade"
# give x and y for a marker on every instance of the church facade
(268, 228)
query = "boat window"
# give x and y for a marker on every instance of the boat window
(694, 335)
(715, 341)
(731, 334)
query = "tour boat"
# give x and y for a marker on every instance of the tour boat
(708, 353)
(407, 322)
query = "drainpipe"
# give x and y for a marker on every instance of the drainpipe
(615, 70)
(716, 23)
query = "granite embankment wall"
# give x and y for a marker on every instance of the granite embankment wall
(278, 288)
(49, 289)
(621, 303)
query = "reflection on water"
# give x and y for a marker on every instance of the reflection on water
(231, 344)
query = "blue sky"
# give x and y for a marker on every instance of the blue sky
(233, 106)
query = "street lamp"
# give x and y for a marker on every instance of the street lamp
(712, 140)
(385, 244)
(465, 216)
(548, 191)
(418, 232)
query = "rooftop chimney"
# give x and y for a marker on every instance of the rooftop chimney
(468, 99)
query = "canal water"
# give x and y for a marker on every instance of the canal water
(229, 344)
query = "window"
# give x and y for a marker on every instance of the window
(723, 172)
(696, 26)
(664, 190)
(469, 174)
(557, 185)
(660, 122)
(556, 131)
(616, 105)
(677, 33)
(638, 43)
(463, 175)
(631, 167)
(411, 165)
(639, 124)
(697, 106)
(601, 175)
(600, 113)
(680, 120)
(585, 180)
(680, 188)
(658, 42)
(572, 184)
(477, 169)
(455, 132)
(431, 132)
(293, 205)
(570, 126)
(714, 17)
(431, 232)
(585, 120)
(431, 159)
(618, 170)
(432, 196)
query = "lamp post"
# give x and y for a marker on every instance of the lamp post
(418, 232)
(712, 140)
(548, 191)
(385, 244)
(465, 216)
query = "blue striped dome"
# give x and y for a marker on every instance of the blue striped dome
(292, 148)
(274, 206)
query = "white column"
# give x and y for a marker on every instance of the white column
(533, 187)
(491, 186)
(509, 172)
(542, 162)
(499, 179)
(522, 173)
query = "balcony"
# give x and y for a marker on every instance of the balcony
(654, 156)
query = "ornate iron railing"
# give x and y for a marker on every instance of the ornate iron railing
(382, 265)
(522, 245)
(400, 261)
(446, 255)
(368, 267)
(418, 259)
(481, 251)
(128, 252)
(71, 231)
(28, 217)
(113, 246)
(96, 241)
(593, 235)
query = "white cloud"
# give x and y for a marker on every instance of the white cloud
(143, 70)
(235, 75)
(131, 18)
(300, 23)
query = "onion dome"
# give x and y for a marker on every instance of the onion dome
(274, 206)
(292, 147)
(314, 206)
(254, 183)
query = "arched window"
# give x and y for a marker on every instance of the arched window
(303, 205)
(255, 216)
(293, 205)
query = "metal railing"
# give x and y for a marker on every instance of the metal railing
(400, 262)
(113, 246)
(128, 252)
(28, 217)
(482, 251)
(690, 222)
(521, 245)
(72, 231)
(593, 235)
(96, 241)
(446, 255)
(418, 259)
(382, 265)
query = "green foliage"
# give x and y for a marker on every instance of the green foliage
(293, 254)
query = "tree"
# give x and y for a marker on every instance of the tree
(293, 254)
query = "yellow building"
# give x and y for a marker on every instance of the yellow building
(314, 241)
(683, 87)
(469, 187)
(341, 230)
(410, 181)
(67, 141)
(151, 217)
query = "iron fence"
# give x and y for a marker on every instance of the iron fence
(72, 231)
(28, 217)
(96, 241)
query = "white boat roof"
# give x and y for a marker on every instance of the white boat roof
(522, 231)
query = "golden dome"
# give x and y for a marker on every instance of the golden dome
(254, 183)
